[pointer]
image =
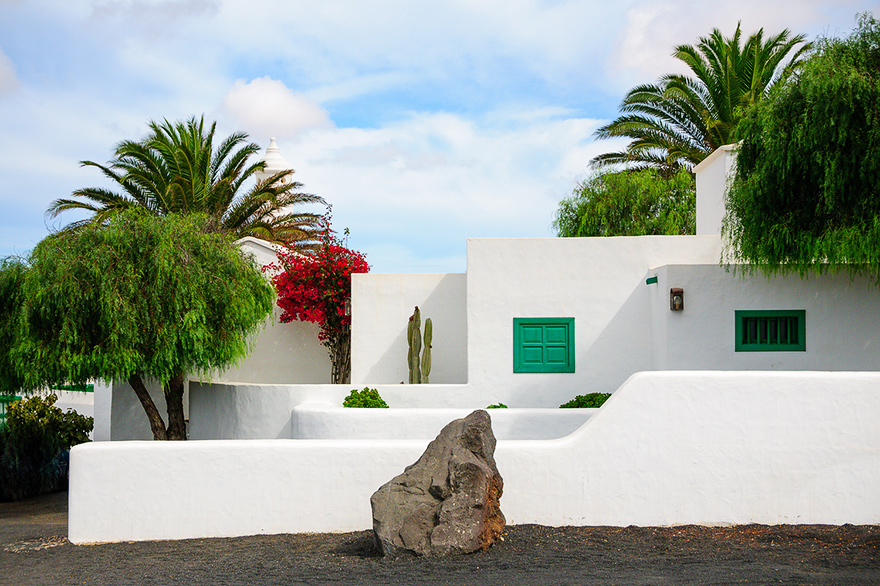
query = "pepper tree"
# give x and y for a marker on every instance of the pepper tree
(136, 298)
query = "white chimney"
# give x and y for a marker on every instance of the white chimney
(712, 174)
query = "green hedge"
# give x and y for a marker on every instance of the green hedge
(34, 446)
(366, 398)
(588, 401)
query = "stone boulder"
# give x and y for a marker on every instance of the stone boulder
(448, 501)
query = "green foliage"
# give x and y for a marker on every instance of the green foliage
(588, 401)
(681, 119)
(805, 196)
(176, 169)
(629, 203)
(138, 297)
(12, 273)
(34, 444)
(366, 398)
(497, 406)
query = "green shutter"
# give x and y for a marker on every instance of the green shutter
(774, 330)
(543, 344)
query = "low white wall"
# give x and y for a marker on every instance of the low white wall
(381, 307)
(667, 448)
(320, 421)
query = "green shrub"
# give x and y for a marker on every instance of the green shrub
(588, 401)
(35, 445)
(366, 398)
(497, 406)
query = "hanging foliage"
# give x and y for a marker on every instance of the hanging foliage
(315, 286)
(806, 194)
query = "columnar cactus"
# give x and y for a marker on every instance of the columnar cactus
(414, 339)
(426, 353)
(419, 368)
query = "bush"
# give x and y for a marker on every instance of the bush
(497, 406)
(366, 398)
(588, 401)
(35, 445)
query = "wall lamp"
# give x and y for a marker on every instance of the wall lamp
(676, 299)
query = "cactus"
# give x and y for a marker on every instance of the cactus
(419, 367)
(414, 339)
(426, 353)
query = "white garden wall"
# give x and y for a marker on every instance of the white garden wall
(667, 448)
(320, 421)
(381, 307)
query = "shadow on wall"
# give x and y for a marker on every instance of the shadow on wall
(449, 349)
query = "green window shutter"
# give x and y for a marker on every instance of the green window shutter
(773, 330)
(543, 344)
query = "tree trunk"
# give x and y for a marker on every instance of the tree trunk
(174, 403)
(340, 357)
(156, 423)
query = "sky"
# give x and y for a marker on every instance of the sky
(423, 124)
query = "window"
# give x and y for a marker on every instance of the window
(543, 344)
(771, 331)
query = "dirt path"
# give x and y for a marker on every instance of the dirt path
(34, 550)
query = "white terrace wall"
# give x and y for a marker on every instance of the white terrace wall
(842, 320)
(381, 307)
(597, 281)
(668, 448)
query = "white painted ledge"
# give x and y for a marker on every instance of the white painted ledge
(323, 421)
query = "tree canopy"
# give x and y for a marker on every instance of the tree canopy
(681, 119)
(629, 203)
(176, 169)
(138, 297)
(806, 194)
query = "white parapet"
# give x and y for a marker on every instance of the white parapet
(313, 420)
(667, 448)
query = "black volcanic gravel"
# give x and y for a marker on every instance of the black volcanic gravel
(34, 551)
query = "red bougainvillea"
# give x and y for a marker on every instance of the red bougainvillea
(315, 286)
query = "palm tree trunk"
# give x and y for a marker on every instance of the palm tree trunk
(156, 423)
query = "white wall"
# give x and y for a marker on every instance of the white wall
(712, 175)
(842, 320)
(668, 448)
(381, 307)
(598, 281)
(321, 421)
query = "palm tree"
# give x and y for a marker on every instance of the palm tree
(680, 120)
(176, 169)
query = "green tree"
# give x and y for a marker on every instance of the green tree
(629, 203)
(806, 194)
(176, 169)
(681, 119)
(137, 298)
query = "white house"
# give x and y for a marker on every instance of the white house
(609, 301)
(736, 399)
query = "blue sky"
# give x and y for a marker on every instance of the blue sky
(422, 123)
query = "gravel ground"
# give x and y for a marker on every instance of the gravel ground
(34, 551)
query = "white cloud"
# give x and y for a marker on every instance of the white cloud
(266, 107)
(8, 79)
(431, 180)
(653, 29)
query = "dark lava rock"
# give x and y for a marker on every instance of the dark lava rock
(448, 501)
